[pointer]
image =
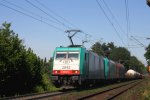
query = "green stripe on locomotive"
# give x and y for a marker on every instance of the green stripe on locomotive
(74, 49)
(106, 67)
(82, 56)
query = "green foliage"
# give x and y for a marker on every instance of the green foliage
(135, 64)
(103, 49)
(111, 45)
(20, 70)
(147, 54)
(45, 85)
(45, 82)
(97, 48)
(50, 66)
(122, 55)
(38, 89)
(12, 52)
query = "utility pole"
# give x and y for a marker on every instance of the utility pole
(72, 33)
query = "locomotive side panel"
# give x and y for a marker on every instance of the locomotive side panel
(122, 72)
(95, 66)
(112, 70)
(102, 67)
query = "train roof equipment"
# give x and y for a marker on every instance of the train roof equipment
(72, 33)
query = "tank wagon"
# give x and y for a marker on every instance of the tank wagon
(77, 66)
(132, 74)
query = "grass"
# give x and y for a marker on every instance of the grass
(139, 92)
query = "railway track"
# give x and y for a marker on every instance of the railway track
(37, 96)
(110, 94)
(106, 94)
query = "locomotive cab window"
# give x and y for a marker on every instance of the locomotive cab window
(73, 55)
(61, 55)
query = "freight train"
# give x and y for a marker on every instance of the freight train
(78, 66)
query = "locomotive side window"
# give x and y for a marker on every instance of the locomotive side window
(73, 55)
(61, 55)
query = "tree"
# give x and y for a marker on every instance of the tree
(111, 45)
(122, 55)
(135, 64)
(103, 49)
(107, 48)
(20, 69)
(11, 54)
(147, 54)
(97, 48)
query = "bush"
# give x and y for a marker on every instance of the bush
(38, 89)
(46, 83)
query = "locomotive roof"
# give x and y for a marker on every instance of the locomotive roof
(69, 48)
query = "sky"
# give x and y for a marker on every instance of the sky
(42, 23)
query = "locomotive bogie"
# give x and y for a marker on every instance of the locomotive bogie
(66, 80)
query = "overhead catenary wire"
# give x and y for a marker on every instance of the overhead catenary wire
(47, 8)
(25, 14)
(39, 15)
(110, 21)
(127, 17)
(113, 16)
(138, 42)
(141, 37)
(53, 16)
(128, 31)
(47, 14)
(30, 14)
(59, 29)
(28, 11)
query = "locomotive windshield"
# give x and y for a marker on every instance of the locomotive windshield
(73, 55)
(61, 55)
(67, 55)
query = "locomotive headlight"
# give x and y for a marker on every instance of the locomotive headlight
(76, 71)
(56, 71)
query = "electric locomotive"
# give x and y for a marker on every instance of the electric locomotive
(68, 65)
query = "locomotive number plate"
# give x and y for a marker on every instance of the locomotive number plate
(65, 67)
